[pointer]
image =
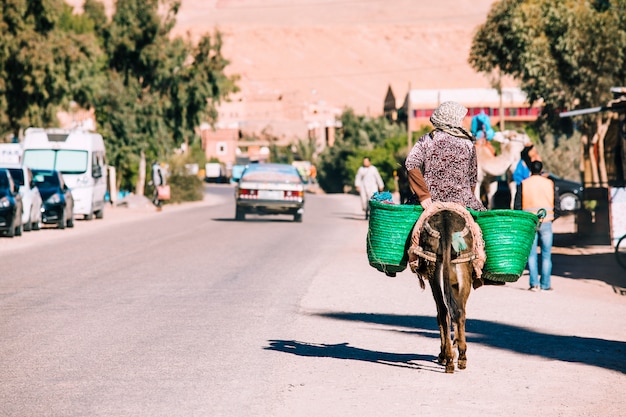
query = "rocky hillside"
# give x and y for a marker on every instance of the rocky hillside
(340, 52)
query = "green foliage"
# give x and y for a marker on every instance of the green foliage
(183, 187)
(333, 174)
(567, 53)
(150, 90)
(197, 154)
(47, 59)
(280, 154)
(77, 23)
(95, 11)
(159, 89)
(306, 150)
(384, 143)
(561, 155)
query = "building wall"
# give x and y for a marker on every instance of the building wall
(514, 102)
(220, 143)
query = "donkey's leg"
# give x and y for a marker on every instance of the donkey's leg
(461, 293)
(446, 354)
(459, 339)
(447, 350)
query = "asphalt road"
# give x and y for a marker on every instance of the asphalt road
(187, 312)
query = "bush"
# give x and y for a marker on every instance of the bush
(185, 188)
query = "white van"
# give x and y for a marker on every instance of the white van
(80, 156)
(215, 172)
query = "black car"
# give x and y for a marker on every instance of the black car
(570, 193)
(58, 203)
(10, 205)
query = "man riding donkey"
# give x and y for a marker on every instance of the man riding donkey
(447, 246)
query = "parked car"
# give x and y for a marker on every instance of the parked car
(270, 189)
(236, 172)
(215, 172)
(570, 193)
(10, 205)
(80, 156)
(58, 203)
(31, 199)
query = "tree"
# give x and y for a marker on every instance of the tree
(567, 53)
(361, 136)
(47, 59)
(198, 84)
(159, 89)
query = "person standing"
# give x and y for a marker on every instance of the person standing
(158, 179)
(534, 193)
(367, 182)
(483, 132)
(442, 165)
(522, 169)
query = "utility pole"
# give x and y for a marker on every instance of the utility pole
(409, 114)
(501, 102)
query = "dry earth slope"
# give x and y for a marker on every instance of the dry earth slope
(340, 52)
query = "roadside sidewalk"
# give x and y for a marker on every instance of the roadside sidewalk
(573, 259)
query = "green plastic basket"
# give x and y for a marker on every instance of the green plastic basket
(389, 235)
(509, 237)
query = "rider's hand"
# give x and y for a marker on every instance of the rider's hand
(426, 203)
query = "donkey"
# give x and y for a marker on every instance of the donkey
(447, 250)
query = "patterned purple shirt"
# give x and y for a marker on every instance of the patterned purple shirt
(449, 166)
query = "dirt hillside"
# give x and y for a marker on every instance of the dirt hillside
(340, 52)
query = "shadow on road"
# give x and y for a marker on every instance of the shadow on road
(345, 351)
(601, 266)
(608, 354)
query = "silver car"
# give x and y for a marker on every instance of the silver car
(270, 189)
(31, 199)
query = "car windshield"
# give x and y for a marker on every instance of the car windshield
(18, 175)
(271, 173)
(66, 161)
(46, 179)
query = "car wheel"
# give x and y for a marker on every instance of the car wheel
(297, 217)
(569, 202)
(240, 214)
(10, 231)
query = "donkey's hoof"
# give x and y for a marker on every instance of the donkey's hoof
(462, 364)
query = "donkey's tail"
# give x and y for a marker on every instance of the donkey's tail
(446, 242)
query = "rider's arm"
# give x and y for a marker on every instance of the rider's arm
(418, 184)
